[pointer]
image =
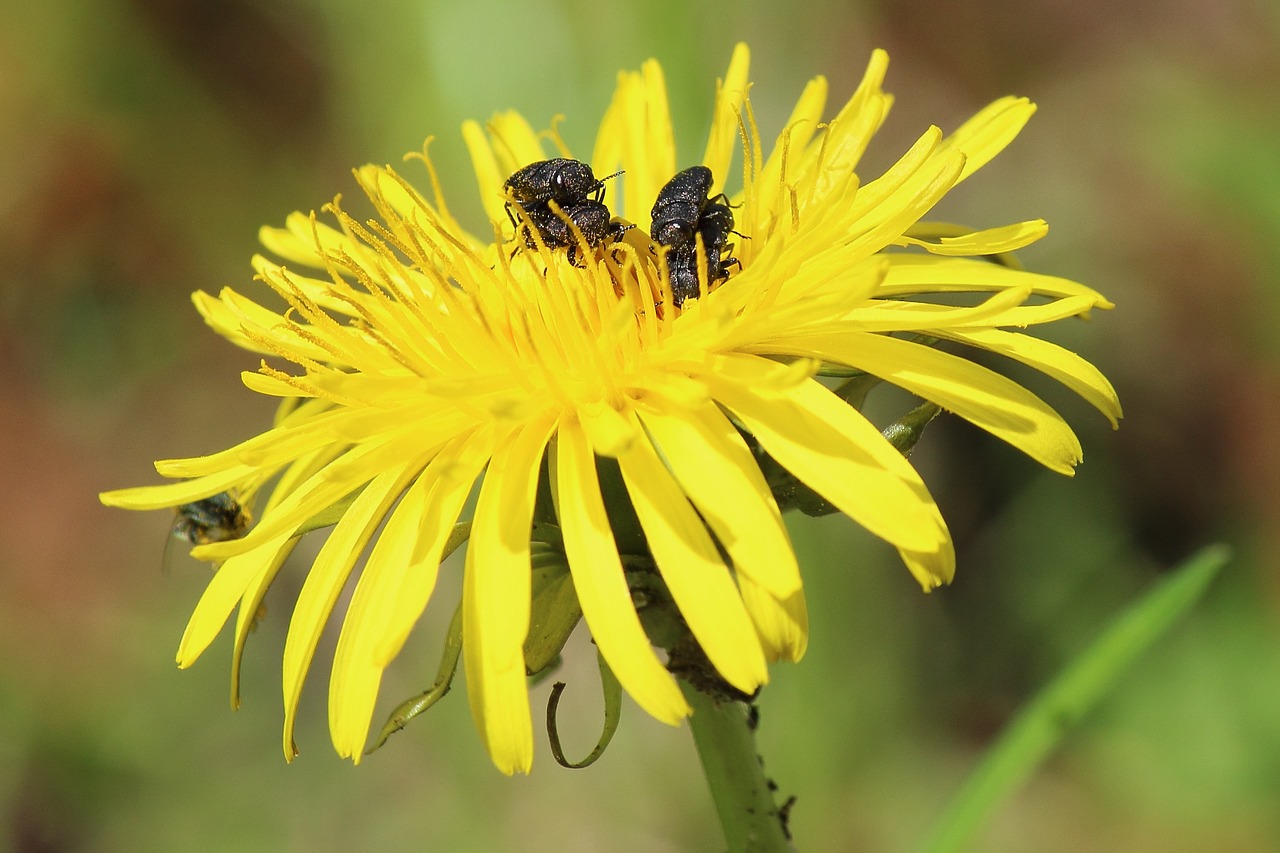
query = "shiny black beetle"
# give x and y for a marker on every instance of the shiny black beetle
(567, 181)
(682, 213)
(575, 190)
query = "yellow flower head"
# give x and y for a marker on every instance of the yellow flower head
(428, 359)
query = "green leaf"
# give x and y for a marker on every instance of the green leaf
(330, 515)
(1074, 693)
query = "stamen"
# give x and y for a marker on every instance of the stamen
(436, 189)
(307, 388)
(553, 133)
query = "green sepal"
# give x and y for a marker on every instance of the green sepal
(547, 533)
(544, 504)
(659, 616)
(554, 611)
(623, 521)
(855, 389)
(461, 533)
(792, 493)
(612, 716)
(411, 708)
(906, 431)
(330, 515)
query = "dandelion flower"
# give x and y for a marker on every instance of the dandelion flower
(426, 361)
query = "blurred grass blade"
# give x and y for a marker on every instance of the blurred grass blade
(1060, 706)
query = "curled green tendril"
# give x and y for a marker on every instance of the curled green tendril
(612, 715)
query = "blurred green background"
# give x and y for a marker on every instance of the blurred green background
(145, 143)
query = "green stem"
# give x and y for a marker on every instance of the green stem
(743, 796)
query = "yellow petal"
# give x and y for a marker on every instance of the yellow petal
(836, 452)
(357, 666)
(322, 490)
(381, 181)
(718, 473)
(275, 386)
(1007, 238)
(222, 594)
(931, 568)
(1034, 314)
(223, 321)
(246, 324)
(889, 205)
(1049, 358)
(914, 273)
(601, 584)
(273, 447)
(642, 131)
(984, 398)
(489, 175)
(606, 154)
(496, 599)
(832, 159)
(780, 169)
(883, 315)
(407, 216)
(299, 239)
(515, 142)
(318, 290)
(700, 583)
(250, 606)
(986, 134)
(448, 480)
(723, 139)
(611, 432)
(782, 623)
(175, 494)
(325, 581)
(1003, 309)
(659, 140)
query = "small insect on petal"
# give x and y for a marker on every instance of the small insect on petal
(682, 215)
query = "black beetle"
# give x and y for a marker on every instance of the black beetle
(592, 218)
(683, 211)
(567, 181)
(679, 205)
(575, 189)
(682, 264)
